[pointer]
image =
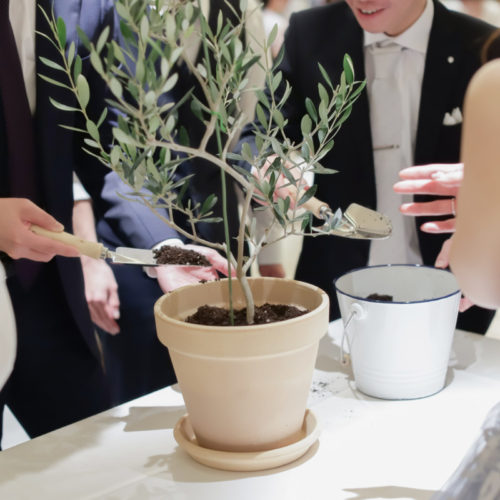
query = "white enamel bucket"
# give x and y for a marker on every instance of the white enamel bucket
(399, 349)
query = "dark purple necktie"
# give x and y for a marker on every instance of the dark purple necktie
(17, 114)
(19, 130)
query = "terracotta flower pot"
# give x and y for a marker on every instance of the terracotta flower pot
(245, 387)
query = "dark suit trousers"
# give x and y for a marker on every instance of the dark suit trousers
(136, 362)
(56, 380)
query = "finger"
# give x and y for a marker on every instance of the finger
(49, 246)
(437, 207)
(424, 186)
(443, 258)
(427, 171)
(35, 215)
(218, 262)
(451, 179)
(439, 227)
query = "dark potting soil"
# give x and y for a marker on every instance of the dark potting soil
(381, 297)
(177, 255)
(266, 313)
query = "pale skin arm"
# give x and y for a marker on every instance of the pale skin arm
(16, 240)
(101, 289)
(475, 252)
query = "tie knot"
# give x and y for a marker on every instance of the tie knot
(385, 58)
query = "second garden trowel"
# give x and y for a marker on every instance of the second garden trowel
(355, 222)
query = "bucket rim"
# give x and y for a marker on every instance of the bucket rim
(395, 302)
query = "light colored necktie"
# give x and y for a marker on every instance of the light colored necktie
(387, 120)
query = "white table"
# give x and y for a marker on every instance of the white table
(367, 449)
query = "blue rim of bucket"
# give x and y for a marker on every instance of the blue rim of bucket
(357, 297)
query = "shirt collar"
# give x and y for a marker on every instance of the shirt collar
(416, 37)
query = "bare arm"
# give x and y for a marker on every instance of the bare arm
(475, 252)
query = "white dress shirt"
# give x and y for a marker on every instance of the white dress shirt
(403, 246)
(22, 18)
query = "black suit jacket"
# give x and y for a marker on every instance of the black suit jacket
(323, 35)
(59, 151)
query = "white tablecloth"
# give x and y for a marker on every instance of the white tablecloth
(367, 449)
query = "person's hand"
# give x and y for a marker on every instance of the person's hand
(101, 292)
(171, 277)
(16, 217)
(442, 262)
(436, 179)
(272, 270)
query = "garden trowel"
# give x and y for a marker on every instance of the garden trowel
(356, 221)
(122, 255)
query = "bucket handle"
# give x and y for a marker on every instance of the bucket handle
(356, 312)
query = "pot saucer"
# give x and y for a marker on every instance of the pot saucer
(246, 461)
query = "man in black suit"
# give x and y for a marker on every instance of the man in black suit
(438, 53)
(58, 376)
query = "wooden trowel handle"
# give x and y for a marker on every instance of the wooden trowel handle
(89, 248)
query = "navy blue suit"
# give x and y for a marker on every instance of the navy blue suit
(329, 32)
(58, 376)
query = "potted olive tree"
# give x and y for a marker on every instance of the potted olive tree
(245, 386)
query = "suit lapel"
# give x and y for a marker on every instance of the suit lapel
(440, 74)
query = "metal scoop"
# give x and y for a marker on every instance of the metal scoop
(356, 222)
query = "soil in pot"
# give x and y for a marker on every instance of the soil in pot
(218, 316)
(181, 256)
(266, 313)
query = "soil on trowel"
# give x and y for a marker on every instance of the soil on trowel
(381, 297)
(177, 255)
(266, 313)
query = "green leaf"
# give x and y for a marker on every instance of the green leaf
(116, 87)
(102, 117)
(307, 195)
(71, 54)
(311, 109)
(62, 107)
(325, 76)
(83, 91)
(77, 68)
(91, 143)
(83, 37)
(51, 64)
(115, 155)
(93, 130)
(96, 62)
(103, 38)
(272, 35)
(122, 137)
(54, 82)
(261, 115)
(61, 32)
(208, 204)
(144, 29)
(348, 69)
(306, 125)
